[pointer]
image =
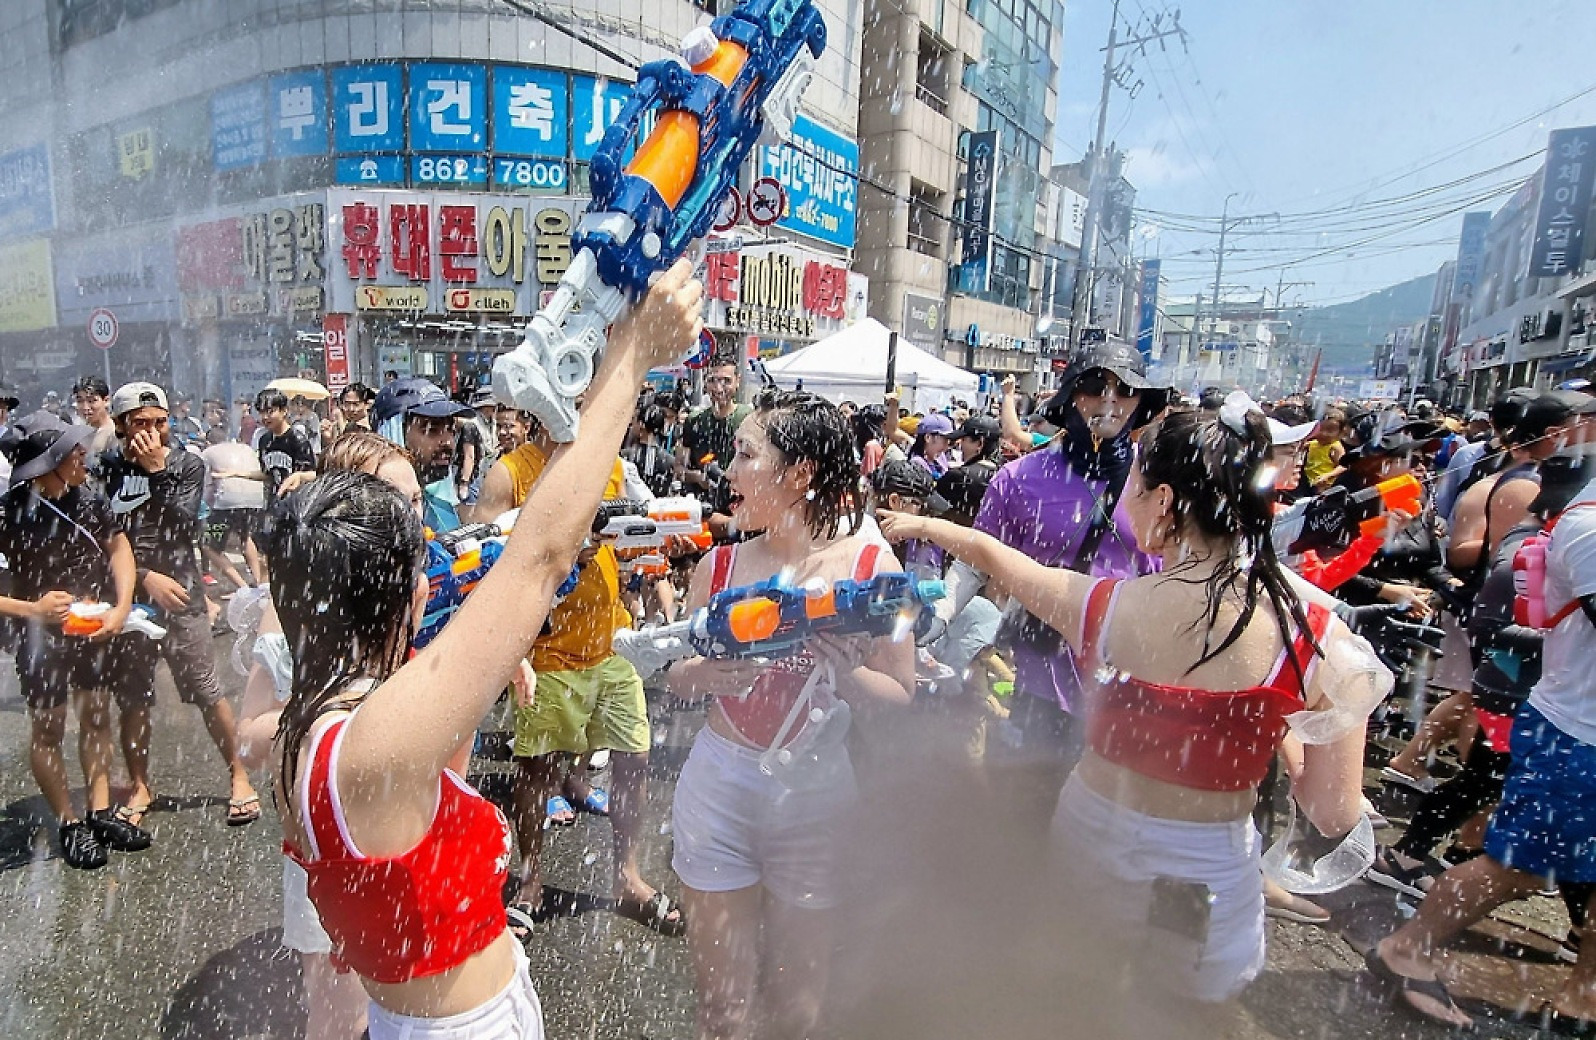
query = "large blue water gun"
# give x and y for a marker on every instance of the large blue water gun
(773, 619)
(456, 561)
(737, 83)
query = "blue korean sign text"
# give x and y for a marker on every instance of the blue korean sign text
(1566, 183)
(819, 172)
(296, 110)
(368, 108)
(372, 171)
(448, 107)
(531, 112)
(1148, 310)
(238, 126)
(594, 105)
(27, 204)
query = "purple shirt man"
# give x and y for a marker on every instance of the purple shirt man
(1039, 505)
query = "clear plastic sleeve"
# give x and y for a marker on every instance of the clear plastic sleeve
(1350, 682)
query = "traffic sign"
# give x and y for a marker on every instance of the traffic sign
(731, 211)
(766, 201)
(103, 328)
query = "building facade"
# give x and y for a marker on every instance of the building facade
(214, 194)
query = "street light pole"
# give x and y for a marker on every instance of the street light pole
(1219, 258)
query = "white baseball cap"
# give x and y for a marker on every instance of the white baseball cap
(133, 396)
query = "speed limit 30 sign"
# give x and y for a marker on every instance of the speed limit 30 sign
(103, 328)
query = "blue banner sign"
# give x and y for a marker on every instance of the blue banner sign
(595, 103)
(980, 186)
(1470, 255)
(819, 171)
(530, 175)
(296, 104)
(1148, 307)
(368, 108)
(448, 107)
(461, 170)
(238, 126)
(372, 171)
(27, 204)
(1565, 203)
(531, 112)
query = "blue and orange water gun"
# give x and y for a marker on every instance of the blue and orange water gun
(456, 561)
(738, 82)
(773, 619)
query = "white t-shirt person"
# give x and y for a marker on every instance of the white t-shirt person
(1566, 694)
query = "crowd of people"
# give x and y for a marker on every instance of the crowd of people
(1170, 614)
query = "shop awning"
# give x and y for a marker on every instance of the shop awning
(1552, 366)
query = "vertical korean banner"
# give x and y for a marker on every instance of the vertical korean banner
(1147, 321)
(1470, 254)
(1565, 202)
(980, 185)
(335, 347)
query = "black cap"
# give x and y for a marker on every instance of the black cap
(1126, 364)
(983, 427)
(415, 397)
(9, 398)
(1543, 414)
(900, 477)
(1211, 399)
(1388, 433)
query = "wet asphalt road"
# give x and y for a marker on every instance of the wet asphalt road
(181, 941)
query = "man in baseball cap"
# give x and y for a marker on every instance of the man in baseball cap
(419, 416)
(64, 544)
(156, 490)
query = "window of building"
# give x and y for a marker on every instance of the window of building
(928, 228)
(931, 74)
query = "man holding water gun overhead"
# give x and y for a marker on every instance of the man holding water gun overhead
(64, 544)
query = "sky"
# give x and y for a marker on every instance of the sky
(1384, 113)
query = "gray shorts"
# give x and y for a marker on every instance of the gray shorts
(187, 650)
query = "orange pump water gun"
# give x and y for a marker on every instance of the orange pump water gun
(738, 82)
(1403, 493)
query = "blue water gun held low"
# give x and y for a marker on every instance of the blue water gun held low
(773, 620)
(737, 83)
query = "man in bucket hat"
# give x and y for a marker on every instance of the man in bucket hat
(1060, 505)
(64, 544)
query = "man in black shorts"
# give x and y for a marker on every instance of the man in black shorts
(155, 489)
(64, 544)
(236, 499)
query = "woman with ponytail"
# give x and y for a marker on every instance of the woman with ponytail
(1195, 674)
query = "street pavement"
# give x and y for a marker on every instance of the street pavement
(943, 936)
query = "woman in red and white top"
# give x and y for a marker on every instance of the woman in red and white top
(768, 780)
(406, 862)
(1199, 672)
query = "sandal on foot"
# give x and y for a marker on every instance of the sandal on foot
(1298, 909)
(1401, 986)
(655, 913)
(133, 815)
(241, 812)
(116, 833)
(522, 919)
(597, 802)
(560, 812)
(1389, 873)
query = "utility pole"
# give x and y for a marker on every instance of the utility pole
(1219, 258)
(1155, 29)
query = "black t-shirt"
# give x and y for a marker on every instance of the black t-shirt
(58, 544)
(654, 466)
(964, 487)
(160, 512)
(466, 433)
(707, 434)
(283, 454)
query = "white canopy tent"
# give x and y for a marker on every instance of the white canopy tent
(851, 365)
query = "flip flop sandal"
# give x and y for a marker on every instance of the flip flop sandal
(241, 812)
(1566, 1025)
(655, 914)
(560, 812)
(1400, 985)
(597, 802)
(134, 814)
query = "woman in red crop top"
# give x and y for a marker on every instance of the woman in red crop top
(406, 863)
(1199, 670)
(754, 835)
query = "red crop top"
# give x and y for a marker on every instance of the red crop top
(1211, 740)
(758, 716)
(409, 916)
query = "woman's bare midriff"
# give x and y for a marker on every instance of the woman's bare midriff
(1163, 800)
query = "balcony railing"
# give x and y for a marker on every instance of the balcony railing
(931, 100)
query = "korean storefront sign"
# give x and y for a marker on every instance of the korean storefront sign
(776, 291)
(1565, 203)
(502, 251)
(335, 350)
(27, 293)
(130, 271)
(980, 184)
(270, 259)
(819, 172)
(27, 202)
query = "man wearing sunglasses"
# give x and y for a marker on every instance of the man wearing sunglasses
(1060, 505)
(419, 417)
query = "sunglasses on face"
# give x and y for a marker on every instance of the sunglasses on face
(1096, 384)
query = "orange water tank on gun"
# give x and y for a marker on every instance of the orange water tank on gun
(1403, 493)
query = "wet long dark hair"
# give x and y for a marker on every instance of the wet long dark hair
(803, 427)
(344, 551)
(1224, 488)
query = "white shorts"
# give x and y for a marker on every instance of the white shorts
(302, 930)
(515, 1014)
(1135, 877)
(734, 827)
